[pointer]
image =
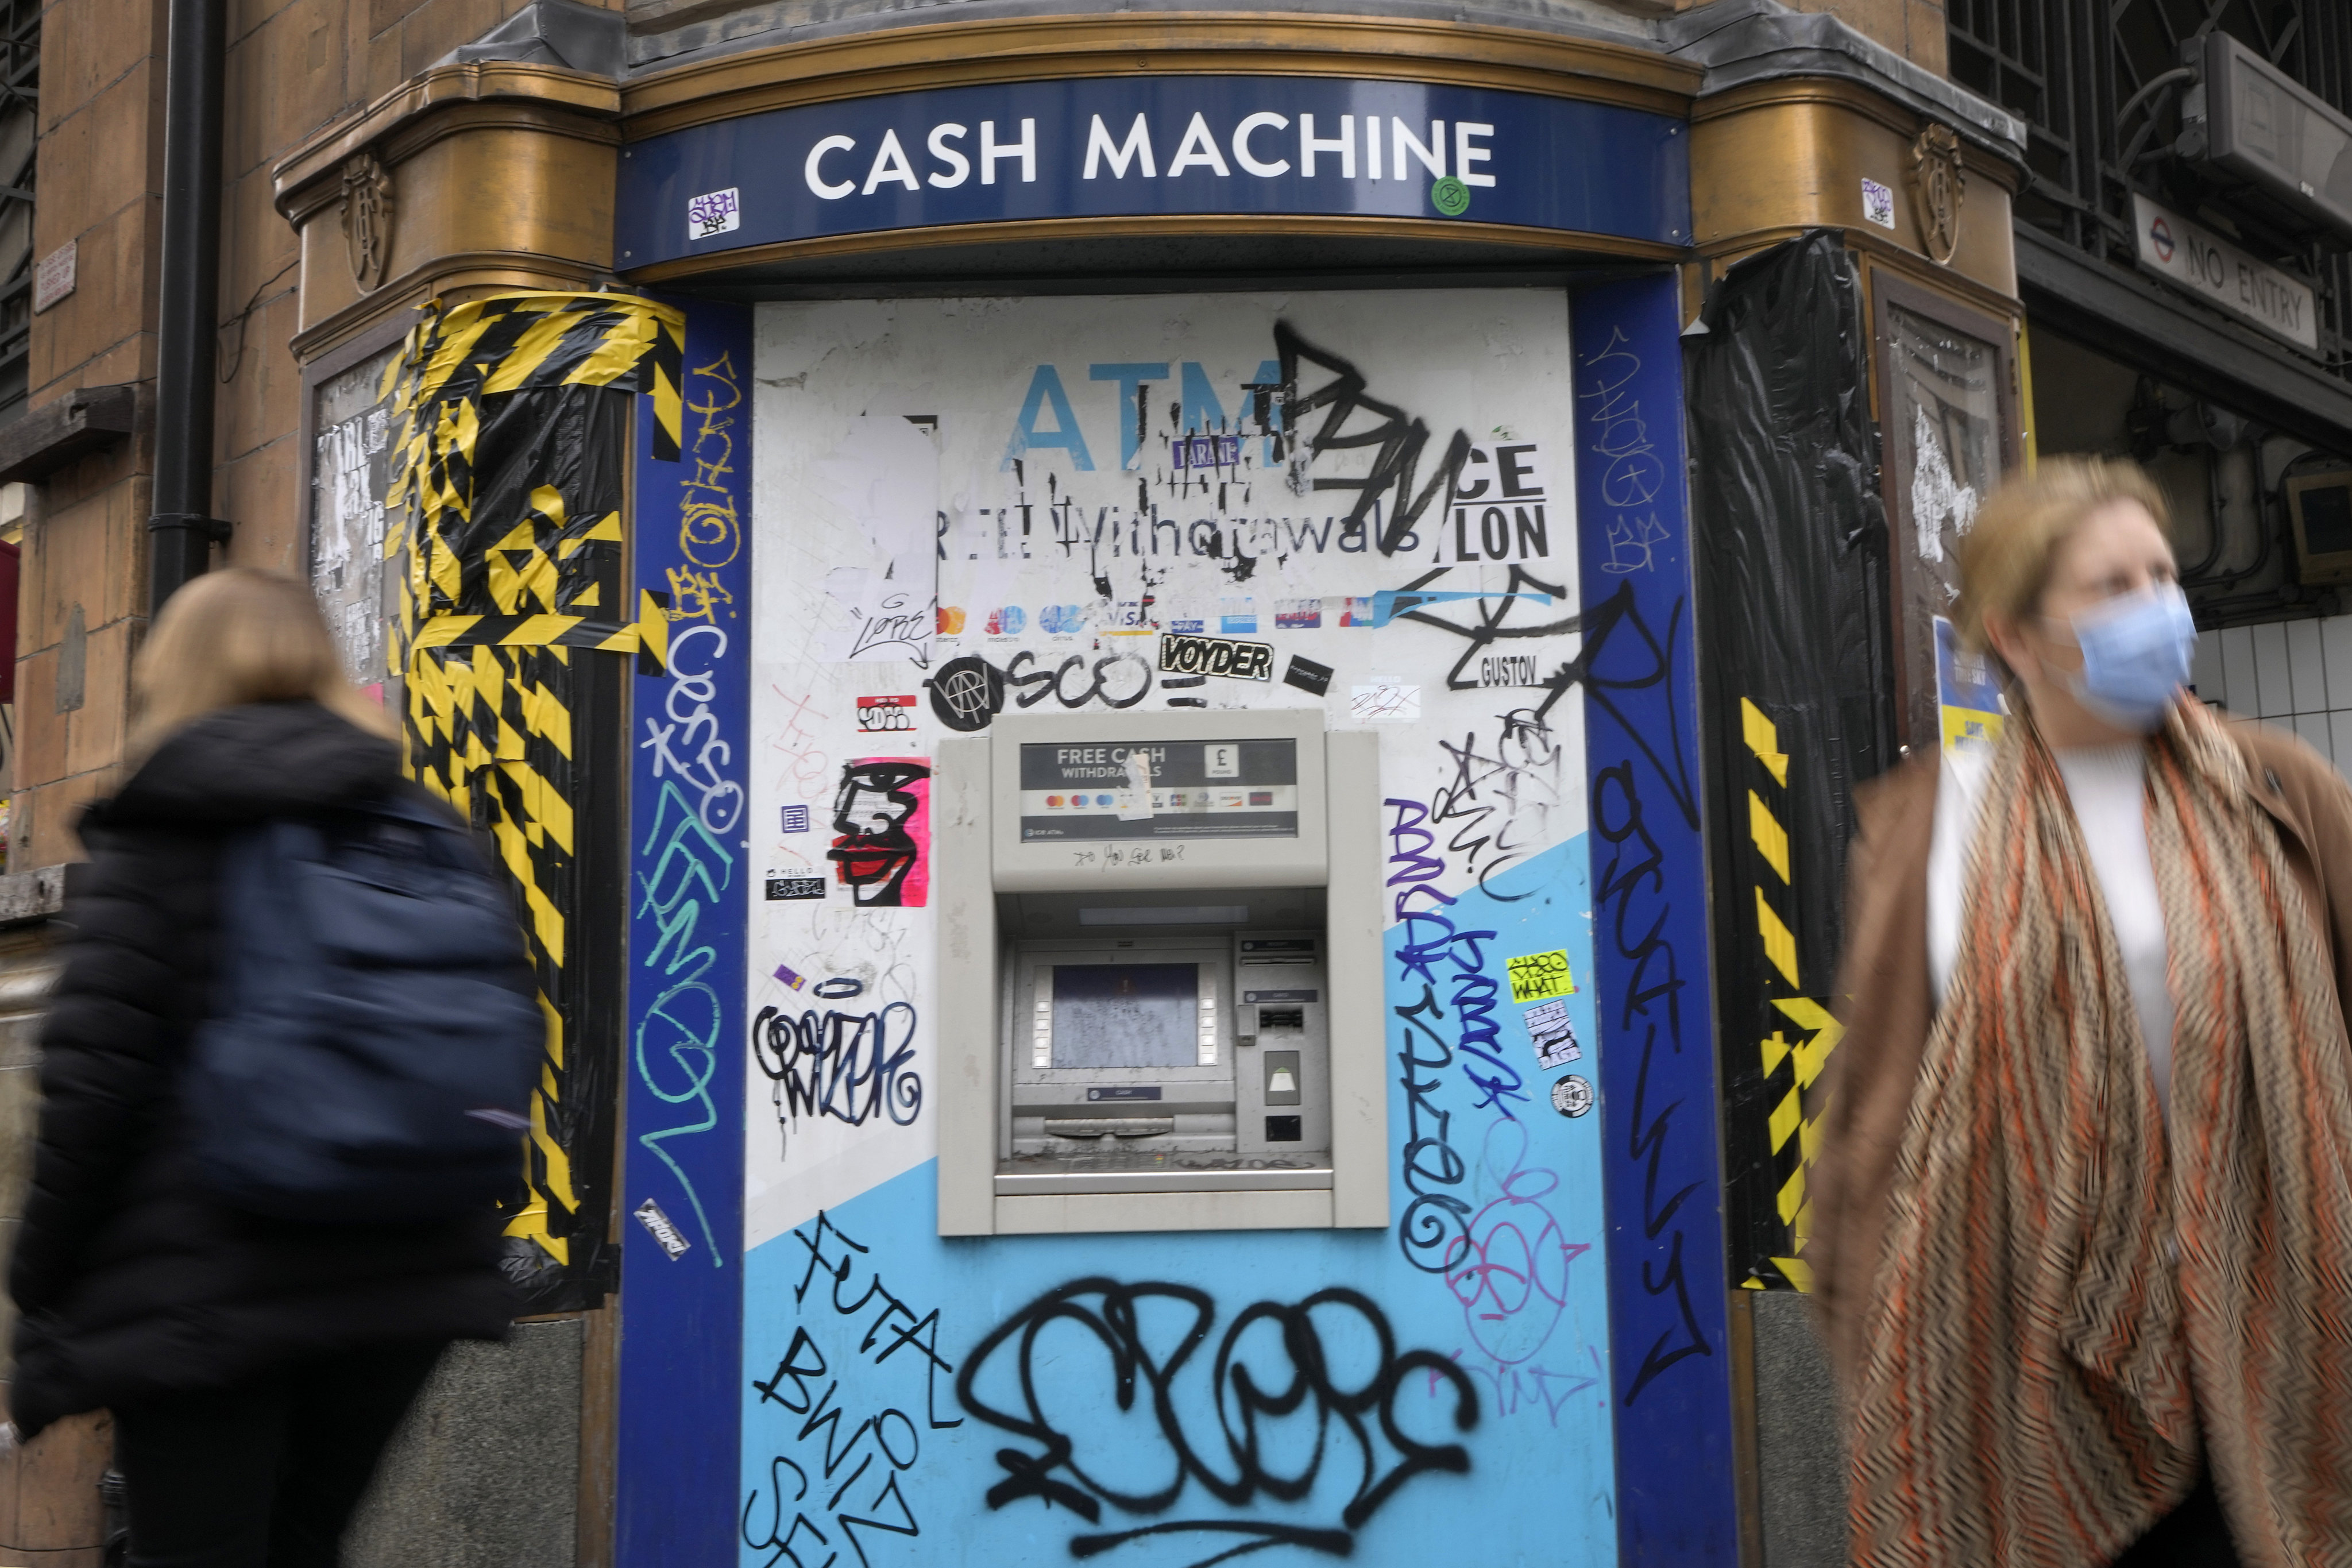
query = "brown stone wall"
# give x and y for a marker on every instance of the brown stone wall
(293, 67)
(1912, 28)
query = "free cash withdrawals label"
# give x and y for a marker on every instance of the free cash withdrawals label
(1198, 789)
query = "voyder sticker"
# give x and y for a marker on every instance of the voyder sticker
(1539, 976)
(1308, 676)
(1216, 656)
(657, 1224)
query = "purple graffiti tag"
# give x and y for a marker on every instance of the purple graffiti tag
(1511, 1277)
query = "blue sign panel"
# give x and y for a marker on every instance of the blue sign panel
(682, 1181)
(1670, 1367)
(1134, 146)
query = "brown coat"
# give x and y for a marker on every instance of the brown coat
(1865, 1096)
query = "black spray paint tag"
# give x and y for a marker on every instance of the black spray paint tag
(795, 887)
(1308, 676)
(658, 1227)
(1181, 654)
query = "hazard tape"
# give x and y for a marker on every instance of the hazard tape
(491, 615)
(1794, 1054)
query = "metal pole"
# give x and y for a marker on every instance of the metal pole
(181, 529)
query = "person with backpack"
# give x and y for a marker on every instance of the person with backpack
(284, 1073)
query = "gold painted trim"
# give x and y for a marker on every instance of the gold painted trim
(1153, 224)
(323, 187)
(1042, 48)
(1885, 254)
(560, 97)
(442, 275)
(1854, 97)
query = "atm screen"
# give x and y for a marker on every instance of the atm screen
(1126, 1015)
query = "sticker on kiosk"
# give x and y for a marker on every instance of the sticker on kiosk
(1159, 789)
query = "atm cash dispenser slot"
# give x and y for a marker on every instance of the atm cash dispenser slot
(1142, 1053)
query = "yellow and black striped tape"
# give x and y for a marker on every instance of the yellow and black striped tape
(493, 609)
(1793, 1055)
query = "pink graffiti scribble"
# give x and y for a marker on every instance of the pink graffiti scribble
(1509, 1267)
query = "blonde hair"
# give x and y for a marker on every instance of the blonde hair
(2005, 559)
(236, 636)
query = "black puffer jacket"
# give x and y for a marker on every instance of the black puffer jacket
(130, 1280)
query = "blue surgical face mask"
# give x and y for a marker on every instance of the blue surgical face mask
(2136, 651)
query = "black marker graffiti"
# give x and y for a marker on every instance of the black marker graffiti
(1270, 1364)
(969, 692)
(1399, 437)
(888, 1437)
(1500, 798)
(1621, 653)
(1434, 1231)
(1630, 889)
(851, 1067)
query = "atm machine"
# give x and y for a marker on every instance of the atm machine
(1160, 956)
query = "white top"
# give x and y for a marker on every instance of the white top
(2108, 788)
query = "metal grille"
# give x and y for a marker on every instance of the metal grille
(2100, 83)
(20, 77)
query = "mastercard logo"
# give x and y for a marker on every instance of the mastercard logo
(950, 621)
(1053, 800)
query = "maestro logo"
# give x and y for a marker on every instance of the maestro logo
(2160, 235)
(1450, 197)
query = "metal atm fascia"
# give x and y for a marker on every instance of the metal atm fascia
(978, 853)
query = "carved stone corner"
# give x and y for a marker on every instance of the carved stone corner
(368, 208)
(1937, 188)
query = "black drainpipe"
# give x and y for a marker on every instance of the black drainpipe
(181, 530)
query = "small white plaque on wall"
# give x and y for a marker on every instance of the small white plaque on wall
(53, 279)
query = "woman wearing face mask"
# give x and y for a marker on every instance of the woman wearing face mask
(2082, 1234)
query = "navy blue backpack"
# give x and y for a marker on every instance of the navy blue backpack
(368, 1058)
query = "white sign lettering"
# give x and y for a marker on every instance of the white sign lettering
(2192, 257)
(1264, 145)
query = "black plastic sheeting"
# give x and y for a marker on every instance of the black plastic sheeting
(1794, 629)
(569, 440)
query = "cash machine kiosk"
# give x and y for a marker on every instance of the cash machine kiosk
(1159, 939)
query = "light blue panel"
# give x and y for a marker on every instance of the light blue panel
(1432, 1394)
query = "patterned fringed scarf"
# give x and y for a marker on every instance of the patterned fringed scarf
(2041, 1380)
